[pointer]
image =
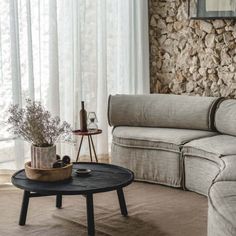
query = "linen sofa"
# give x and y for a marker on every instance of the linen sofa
(180, 141)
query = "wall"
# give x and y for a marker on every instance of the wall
(190, 56)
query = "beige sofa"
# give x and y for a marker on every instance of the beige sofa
(180, 141)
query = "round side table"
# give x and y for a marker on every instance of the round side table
(89, 134)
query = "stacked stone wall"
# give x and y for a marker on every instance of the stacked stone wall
(190, 56)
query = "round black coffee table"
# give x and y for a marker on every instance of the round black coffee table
(103, 178)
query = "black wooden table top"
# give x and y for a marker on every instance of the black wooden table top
(103, 178)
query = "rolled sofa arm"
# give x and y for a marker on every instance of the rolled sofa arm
(162, 110)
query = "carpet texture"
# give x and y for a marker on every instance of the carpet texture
(154, 210)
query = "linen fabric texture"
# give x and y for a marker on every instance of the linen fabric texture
(226, 108)
(228, 172)
(204, 159)
(222, 210)
(154, 154)
(169, 139)
(160, 110)
(221, 200)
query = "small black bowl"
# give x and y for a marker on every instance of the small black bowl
(83, 172)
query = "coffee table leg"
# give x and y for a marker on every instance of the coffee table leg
(24, 207)
(59, 201)
(121, 198)
(90, 215)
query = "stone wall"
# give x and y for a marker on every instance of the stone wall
(190, 56)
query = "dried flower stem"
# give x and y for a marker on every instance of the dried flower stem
(36, 125)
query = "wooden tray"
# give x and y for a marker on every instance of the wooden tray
(48, 175)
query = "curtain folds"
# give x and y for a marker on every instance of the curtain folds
(66, 51)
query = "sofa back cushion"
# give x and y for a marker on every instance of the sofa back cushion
(225, 117)
(161, 110)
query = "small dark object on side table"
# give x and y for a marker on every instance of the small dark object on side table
(83, 172)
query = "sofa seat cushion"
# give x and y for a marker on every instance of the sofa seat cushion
(153, 154)
(222, 213)
(204, 159)
(211, 148)
(228, 172)
(156, 138)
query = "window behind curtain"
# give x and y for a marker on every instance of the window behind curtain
(102, 49)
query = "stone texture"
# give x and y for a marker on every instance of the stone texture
(218, 24)
(192, 57)
(210, 40)
(205, 26)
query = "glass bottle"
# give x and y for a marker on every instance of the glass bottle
(83, 118)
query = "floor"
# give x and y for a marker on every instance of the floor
(153, 210)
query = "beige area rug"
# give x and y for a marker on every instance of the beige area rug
(153, 210)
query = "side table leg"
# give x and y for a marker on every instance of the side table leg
(90, 151)
(80, 145)
(93, 149)
(123, 208)
(58, 200)
(24, 207)
(90, 215)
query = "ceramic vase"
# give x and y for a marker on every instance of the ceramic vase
(43, 157)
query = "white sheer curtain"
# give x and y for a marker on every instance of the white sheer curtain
(60, 52)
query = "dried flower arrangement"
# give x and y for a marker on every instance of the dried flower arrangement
(36, 125)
